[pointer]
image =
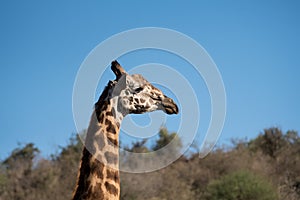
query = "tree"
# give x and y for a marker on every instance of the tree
(271, 142)
(18, 168)
(22, 157)
(138, 147)
(3, 182)
(165, 138)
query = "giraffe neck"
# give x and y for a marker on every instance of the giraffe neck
(98, 177)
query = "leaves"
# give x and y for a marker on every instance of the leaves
(258, 169)
(241, 185)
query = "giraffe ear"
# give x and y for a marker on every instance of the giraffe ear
(117, 69)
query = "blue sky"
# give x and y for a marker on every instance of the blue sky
(255, 45)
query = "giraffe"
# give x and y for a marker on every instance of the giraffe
(98, 176)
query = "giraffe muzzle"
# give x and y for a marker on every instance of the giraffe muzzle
(169, 106)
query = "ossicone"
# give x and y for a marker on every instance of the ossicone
(117, 69)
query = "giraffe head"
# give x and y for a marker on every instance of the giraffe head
(136, 95)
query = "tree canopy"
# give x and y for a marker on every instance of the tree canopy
(266, 167)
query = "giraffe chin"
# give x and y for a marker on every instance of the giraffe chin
(170, 111)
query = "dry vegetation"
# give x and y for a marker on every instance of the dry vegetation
(264, 168)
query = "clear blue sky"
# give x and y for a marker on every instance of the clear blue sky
(255, 45)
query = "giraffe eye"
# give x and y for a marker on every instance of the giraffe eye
(137, 90)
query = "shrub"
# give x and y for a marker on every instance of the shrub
(241, 185)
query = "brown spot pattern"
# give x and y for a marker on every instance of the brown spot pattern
(112, 142)
(112, 174)
(88, 193)
(101, 118)
(109, 113)
(108, 122)
(104, 107)
(113, 111)
(111, 188)
(98, 193)
(97, 168)
(84, 173)
(110, 128)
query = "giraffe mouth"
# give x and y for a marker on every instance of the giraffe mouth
(169, 106)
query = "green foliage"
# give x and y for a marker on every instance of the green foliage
(71, 153)
(23, 156)
(236, 172)
(241, 185)
(3, 182)
(165, 138)
(271, 142)
(138, 147)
